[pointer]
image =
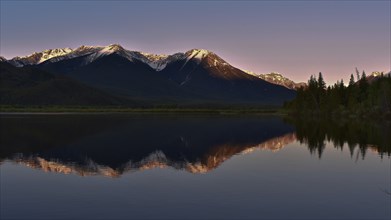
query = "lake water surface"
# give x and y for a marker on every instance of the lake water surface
(192, 167)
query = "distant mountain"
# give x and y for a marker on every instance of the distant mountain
(376, 75)
(279, 79)
(196, 77)
(32, 86)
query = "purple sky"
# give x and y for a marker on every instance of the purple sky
(295, 38)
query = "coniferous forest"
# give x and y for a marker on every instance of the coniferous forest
(362, 97)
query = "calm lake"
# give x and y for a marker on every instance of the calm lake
(119, 166)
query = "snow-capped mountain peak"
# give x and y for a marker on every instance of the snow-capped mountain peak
(80, 51)
(113, 48)
(197, 54)
(278, 79)
(378, 74)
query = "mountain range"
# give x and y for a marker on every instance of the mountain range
(122, 77)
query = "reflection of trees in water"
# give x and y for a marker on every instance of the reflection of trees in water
(360, 135)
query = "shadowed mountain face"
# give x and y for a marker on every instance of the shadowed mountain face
(212, 78)
(111, 145)
(32, 86)
(118, 75)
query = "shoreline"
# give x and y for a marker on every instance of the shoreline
(97, 111)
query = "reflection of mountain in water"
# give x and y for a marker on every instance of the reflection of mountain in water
(157, 159)
(112, 145)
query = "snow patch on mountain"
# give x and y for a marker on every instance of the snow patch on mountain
(197, 54)
(39, 57)
(48, 54)
(378, 74)
(78, 52)
(250, 73)
(154, 57)
(156, 61)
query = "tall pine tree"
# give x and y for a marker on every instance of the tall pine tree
(351, 81)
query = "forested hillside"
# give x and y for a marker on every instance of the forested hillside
(365, 97)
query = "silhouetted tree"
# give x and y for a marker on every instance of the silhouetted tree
(351, 81)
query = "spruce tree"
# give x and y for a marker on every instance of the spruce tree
(321, 82)
(351, 81)
(363, 76)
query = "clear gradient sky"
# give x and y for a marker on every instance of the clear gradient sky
(295, 38)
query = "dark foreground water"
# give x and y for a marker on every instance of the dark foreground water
(123, 166)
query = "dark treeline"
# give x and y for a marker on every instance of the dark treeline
(357, 136)
(365, 97)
